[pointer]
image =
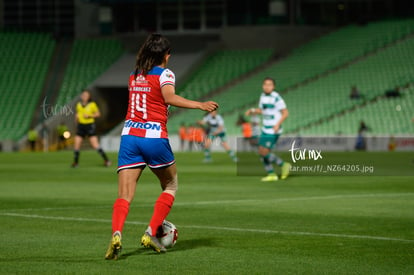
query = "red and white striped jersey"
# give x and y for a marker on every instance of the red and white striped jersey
(147, 113)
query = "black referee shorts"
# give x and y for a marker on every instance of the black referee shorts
(86, 130)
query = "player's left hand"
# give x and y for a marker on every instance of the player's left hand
(209, 106)
(249, 112)
(276, 127)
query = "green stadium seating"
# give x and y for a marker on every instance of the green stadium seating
(89, 58)
(328, 95)
(394, 66)
(220, 68)
(318, 57)
(387, 116)
(25, 58)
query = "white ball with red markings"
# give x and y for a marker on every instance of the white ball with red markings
(169, 235)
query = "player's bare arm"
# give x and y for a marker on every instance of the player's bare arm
(201, 122)
(168, 92)
(285, 114)
(253, 111)
(94, 115)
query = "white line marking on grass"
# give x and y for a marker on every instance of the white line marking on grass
(298, 233)
(332, 197)
(218, 202)
(42, 217)
(236, 229)
(108, 206)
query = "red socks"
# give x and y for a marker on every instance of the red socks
(119, 214)
(161, 209)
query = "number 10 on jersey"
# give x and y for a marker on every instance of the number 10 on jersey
(139, 104)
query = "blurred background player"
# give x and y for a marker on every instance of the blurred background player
(86, 112)
(198, 136)
(361, 143)
(183, 134)
(190, 135)
(44, 133)
(144, 140)
(247, 133)
(195, 137)
(215, 129)
(256, 130)
(274, 112)
(32, 136)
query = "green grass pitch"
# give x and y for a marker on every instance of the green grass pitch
(55, 220)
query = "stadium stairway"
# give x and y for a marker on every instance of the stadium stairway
(89, 59)
(54, 79)
(74, 67)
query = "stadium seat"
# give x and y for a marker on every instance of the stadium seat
(24, 63)
(222, 67)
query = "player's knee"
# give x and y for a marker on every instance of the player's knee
(171, 186)
(263, 151)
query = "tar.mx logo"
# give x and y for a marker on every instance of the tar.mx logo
(302, 154)
(50, 110)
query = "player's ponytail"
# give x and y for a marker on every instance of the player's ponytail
(152, 53)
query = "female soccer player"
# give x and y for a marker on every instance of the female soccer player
(144, 139)
(274, 112)
(215, 129)
(86, 112)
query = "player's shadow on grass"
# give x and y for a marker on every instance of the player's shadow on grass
(180, 246)
(134, 252)
(192, 244)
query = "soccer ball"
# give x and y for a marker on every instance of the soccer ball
(168, 234)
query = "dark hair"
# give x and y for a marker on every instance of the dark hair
(152, 53)
(242, 119)
(270, 79)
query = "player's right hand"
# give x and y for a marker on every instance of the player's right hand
(209, 106)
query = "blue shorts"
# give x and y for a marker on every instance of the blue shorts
(139, 151)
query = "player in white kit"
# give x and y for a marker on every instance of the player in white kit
(273, 109)
(215, 128)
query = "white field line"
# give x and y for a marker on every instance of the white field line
(219, 202)
(332, 197)
(237, 229)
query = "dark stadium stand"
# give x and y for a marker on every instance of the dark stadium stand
(24, 63)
